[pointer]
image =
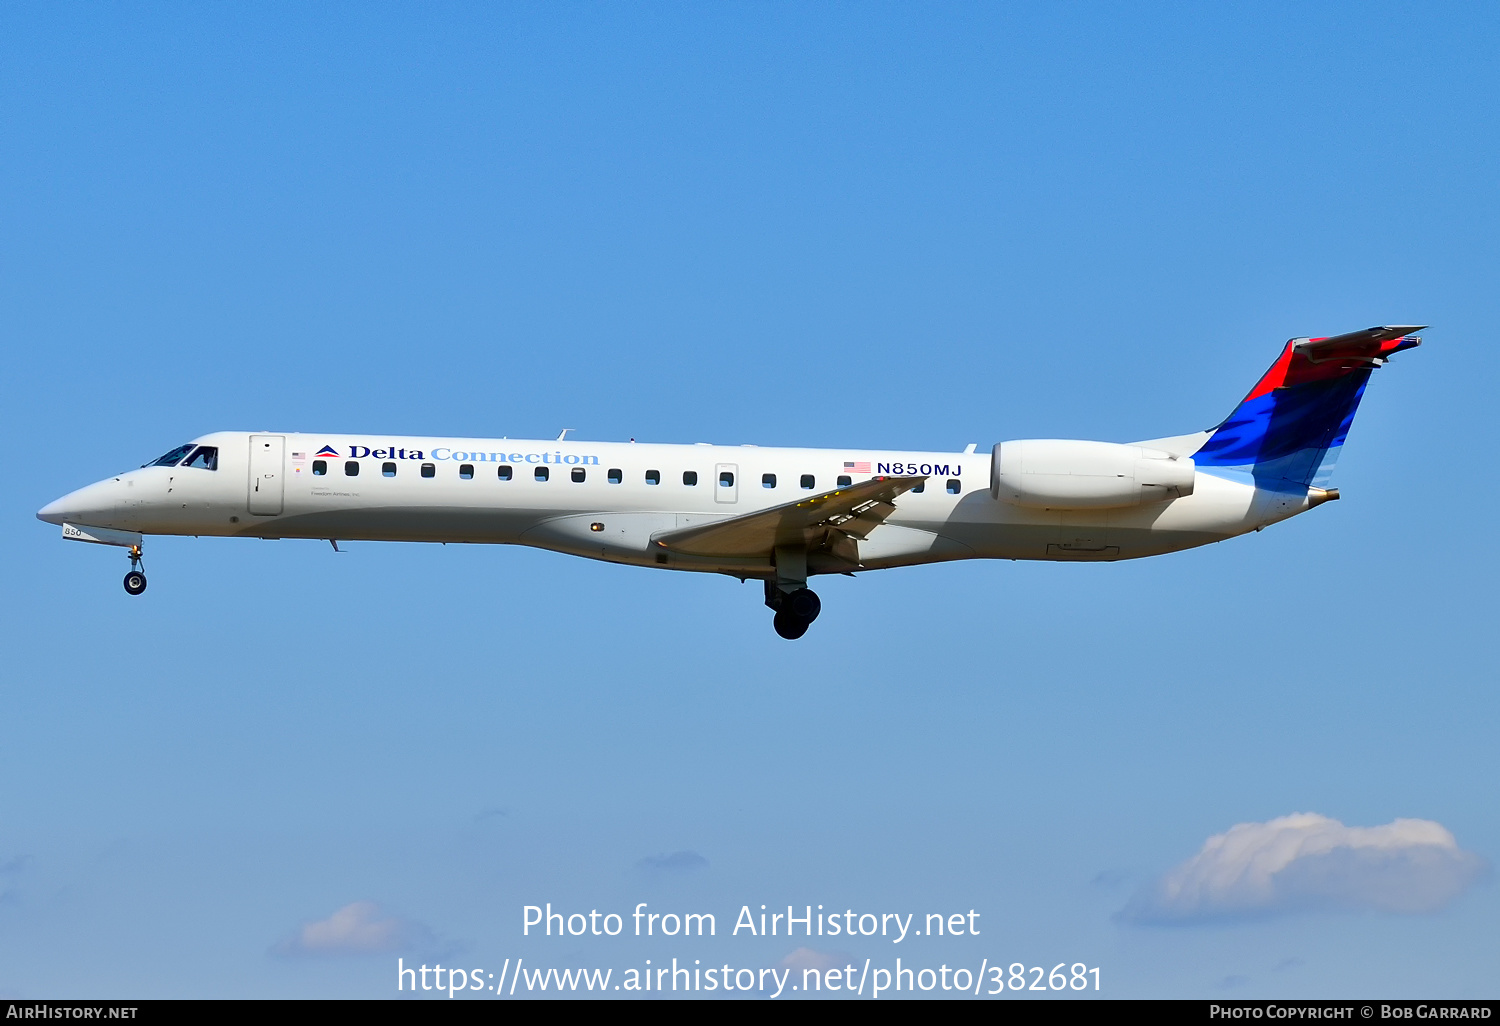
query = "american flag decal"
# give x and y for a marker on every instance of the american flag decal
(858, 468)
(299, 457)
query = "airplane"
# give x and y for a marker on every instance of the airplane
(777, 515)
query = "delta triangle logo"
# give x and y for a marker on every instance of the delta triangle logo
(327, 450)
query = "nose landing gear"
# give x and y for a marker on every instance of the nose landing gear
(135, 581)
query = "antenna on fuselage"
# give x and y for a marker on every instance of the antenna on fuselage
(564, 434)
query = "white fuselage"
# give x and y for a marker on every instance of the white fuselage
(598, 499)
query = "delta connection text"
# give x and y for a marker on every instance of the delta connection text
(443, 452)
(541, 920)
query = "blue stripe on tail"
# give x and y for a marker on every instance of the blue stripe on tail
(1289, 436)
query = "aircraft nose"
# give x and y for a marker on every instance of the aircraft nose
(55, 512)
(93, 506)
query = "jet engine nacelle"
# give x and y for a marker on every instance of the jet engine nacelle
(1057, 473)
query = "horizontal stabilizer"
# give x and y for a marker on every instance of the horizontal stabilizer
(1372, 344)
(851, 512)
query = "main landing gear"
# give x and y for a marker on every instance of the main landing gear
(135, 581)
(795, 610)
(796, 605)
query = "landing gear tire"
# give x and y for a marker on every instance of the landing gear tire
(788, 626)
(135, 582)
(803, 604)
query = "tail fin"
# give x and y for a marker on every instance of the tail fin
(1289, 429)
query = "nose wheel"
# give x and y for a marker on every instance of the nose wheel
(135, 581)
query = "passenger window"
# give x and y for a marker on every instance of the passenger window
(653, 477)
(845, 481)
(953, 486)
(320, 467)
(920, 488)
(542, 473)
(726, 479)
(504, 472)
(768, 480)
(388, 469)
(466, 471)
(808, 481)
(205, 458)
(690, 477)
(429, 470)
(616, 475)
(579, 474)
(351, 469)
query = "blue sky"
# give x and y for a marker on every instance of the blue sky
(901, 226)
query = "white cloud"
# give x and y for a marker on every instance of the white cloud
(1308, 861)
(358, 928)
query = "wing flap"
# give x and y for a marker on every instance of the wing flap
(828, 519)
(863, 519)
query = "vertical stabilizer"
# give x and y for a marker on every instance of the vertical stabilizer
(1288, 431)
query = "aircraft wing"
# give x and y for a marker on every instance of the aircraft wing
(834, 520)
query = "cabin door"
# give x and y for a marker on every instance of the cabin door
(266, 452)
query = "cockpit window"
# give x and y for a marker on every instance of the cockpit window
(171, 458)
(205, 457)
